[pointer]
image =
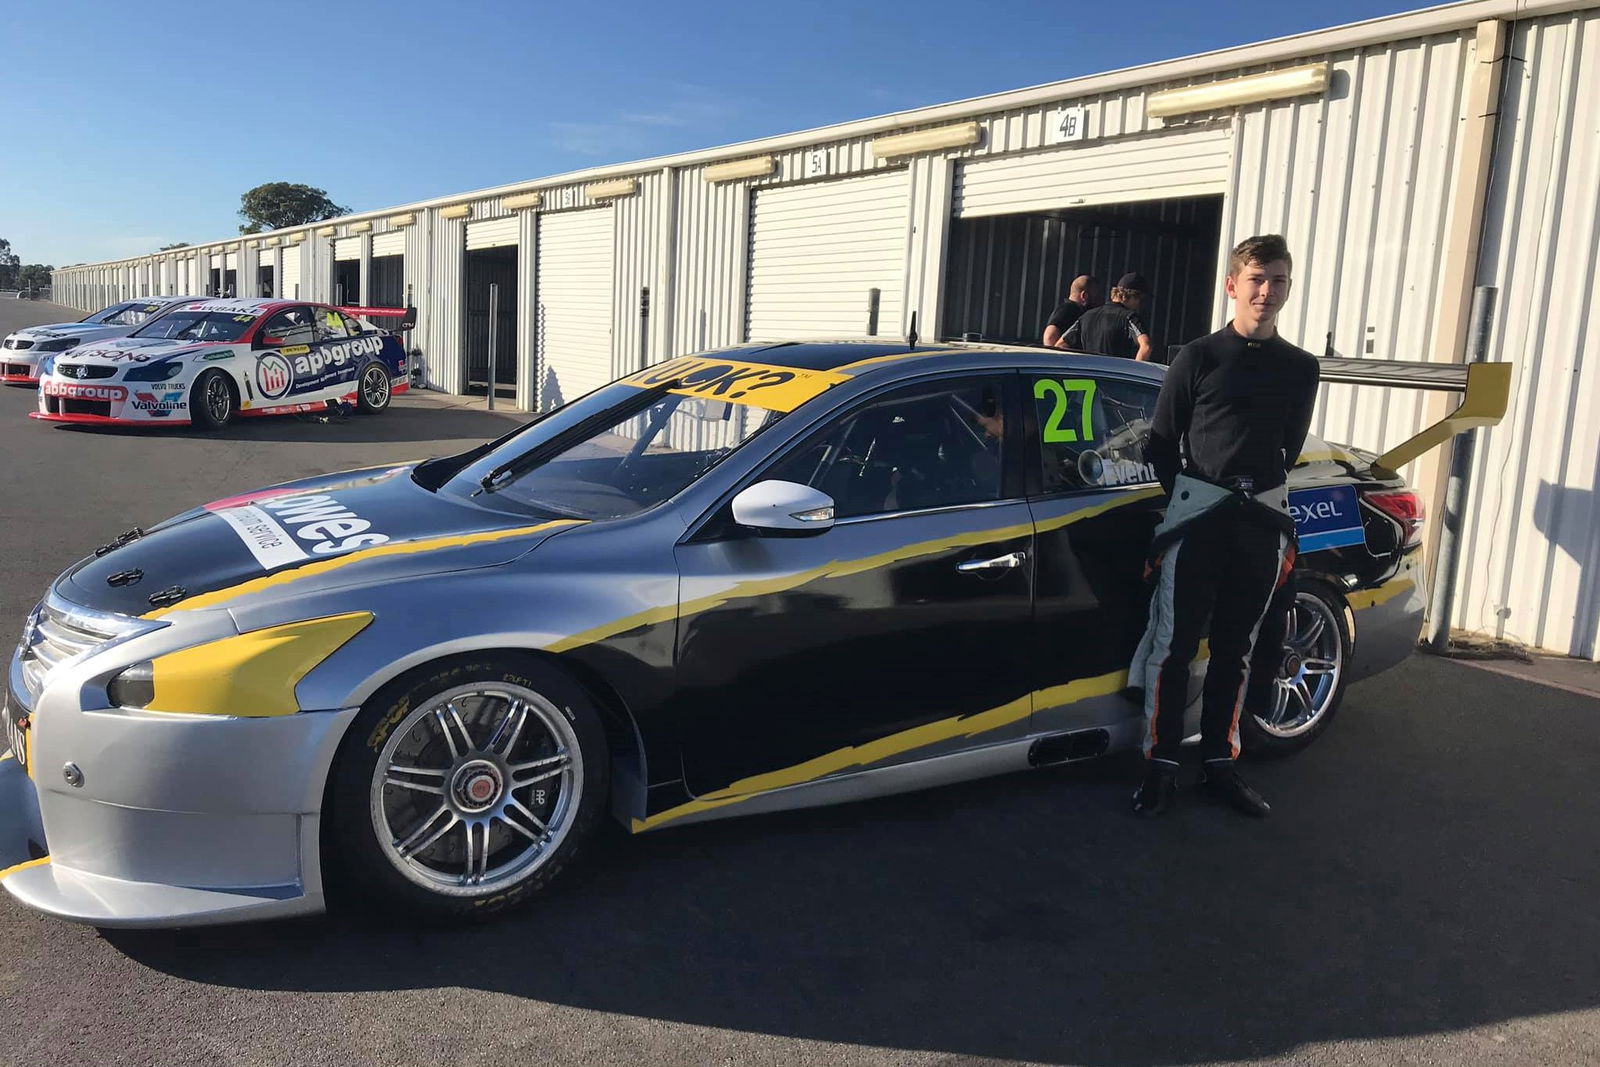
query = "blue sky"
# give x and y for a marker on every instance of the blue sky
(126, 127)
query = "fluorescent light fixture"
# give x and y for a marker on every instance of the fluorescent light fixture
(233, 247)
(270, 242)
(295, 238)
(359, 227)
(607, 190)
(456, 211)
(754, 167)
(960, 135)
(522, 200)
(252, 244)
(398, 221)
(327, 231)
(1251, 89)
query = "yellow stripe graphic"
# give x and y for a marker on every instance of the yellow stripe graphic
(835, 569)
(311, 570)
(251, 675)
(14, 868)
(1371, 598)
(893, 357)
(893, 745)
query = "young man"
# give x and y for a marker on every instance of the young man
(1114, 329)
(1083, 295)
(1239, 402)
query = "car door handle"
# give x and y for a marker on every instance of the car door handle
(1009, 561)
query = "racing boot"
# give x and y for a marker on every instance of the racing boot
(1221, 779)
(1155, 794)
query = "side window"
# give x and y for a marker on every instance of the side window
(352, 325)
(330, 325)
(917, 448)
(1093, 431)
(291, 326)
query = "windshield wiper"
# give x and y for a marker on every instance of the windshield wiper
(528, 460)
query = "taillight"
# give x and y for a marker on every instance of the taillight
(1404, 507)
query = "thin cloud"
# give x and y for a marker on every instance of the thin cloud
(689, 107)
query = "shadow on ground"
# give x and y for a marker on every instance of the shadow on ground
(1431, 867)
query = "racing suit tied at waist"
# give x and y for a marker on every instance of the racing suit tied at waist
(1193, 500)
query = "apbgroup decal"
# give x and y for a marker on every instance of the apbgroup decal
(274, 376)
(312, 364)
(160, 404)
(75, 391)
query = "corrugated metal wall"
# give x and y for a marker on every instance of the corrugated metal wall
(1359, 182)
(1533, 551)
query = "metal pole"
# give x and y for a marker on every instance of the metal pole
(1442, 603)
(494, 335)
(873, 298)
(644, 327)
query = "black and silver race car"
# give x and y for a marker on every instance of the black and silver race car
(761, 578)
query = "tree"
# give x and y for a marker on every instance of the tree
(34, 276)
(277, 205)
(9, 262)
(179, 244)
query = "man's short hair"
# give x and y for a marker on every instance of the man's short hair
(1263, 249)
(1084, 283)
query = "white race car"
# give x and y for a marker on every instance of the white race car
(206, 361)
(23, 351)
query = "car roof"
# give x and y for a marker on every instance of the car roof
(857, 358)
(240, 306)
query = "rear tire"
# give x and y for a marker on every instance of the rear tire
(213, 401)
(464, 788)
(373, 389)
(1310, 681)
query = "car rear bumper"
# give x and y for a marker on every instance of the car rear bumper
(1387, 621)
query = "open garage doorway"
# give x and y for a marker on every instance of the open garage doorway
(347, 282)
(264, 280)
(486, 267)
(1006, 273)
(386, 282)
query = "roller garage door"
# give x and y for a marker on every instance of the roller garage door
(290, 288)
(492, 233)
(1159, 167)
(392, 243)
(573, 304)
(818, 251)
(346, 248)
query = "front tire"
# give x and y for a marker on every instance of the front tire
(373, 389)
(1310, 681)
(465, 788)
(212, 400)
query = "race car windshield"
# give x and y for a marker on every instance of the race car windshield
(198, 326)
(613, 453)
(131, 314)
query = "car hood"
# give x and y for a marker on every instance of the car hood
(334, 530)
(125, 351)
(56, 330)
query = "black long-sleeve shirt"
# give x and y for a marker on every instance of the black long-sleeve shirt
(1241, 408)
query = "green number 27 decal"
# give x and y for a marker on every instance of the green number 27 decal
(1064, 392)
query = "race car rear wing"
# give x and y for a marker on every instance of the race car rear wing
(403, 318)
(1485, 390)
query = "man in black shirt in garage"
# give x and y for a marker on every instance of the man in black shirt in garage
(1114, 329)
(1083, 295)
(1239, 402)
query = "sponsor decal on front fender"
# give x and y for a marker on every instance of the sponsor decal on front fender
(274, 376)
(161, 404)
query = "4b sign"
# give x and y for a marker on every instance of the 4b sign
(1066, 124)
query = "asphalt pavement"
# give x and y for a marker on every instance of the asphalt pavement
(1424, 892)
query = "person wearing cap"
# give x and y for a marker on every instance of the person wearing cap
(1114, 329)
(1232, 415)
(1084, 294)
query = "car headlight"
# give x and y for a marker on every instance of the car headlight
(61, 344)
(154, 372)
(135, 687)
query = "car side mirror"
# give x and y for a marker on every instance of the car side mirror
(783, 508)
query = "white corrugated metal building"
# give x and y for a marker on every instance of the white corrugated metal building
(1408, 159)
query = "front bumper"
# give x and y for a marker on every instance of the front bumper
(19, 367)
(106, 402)
(176, 820)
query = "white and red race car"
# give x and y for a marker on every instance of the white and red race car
(208, 361)
(23, 351)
